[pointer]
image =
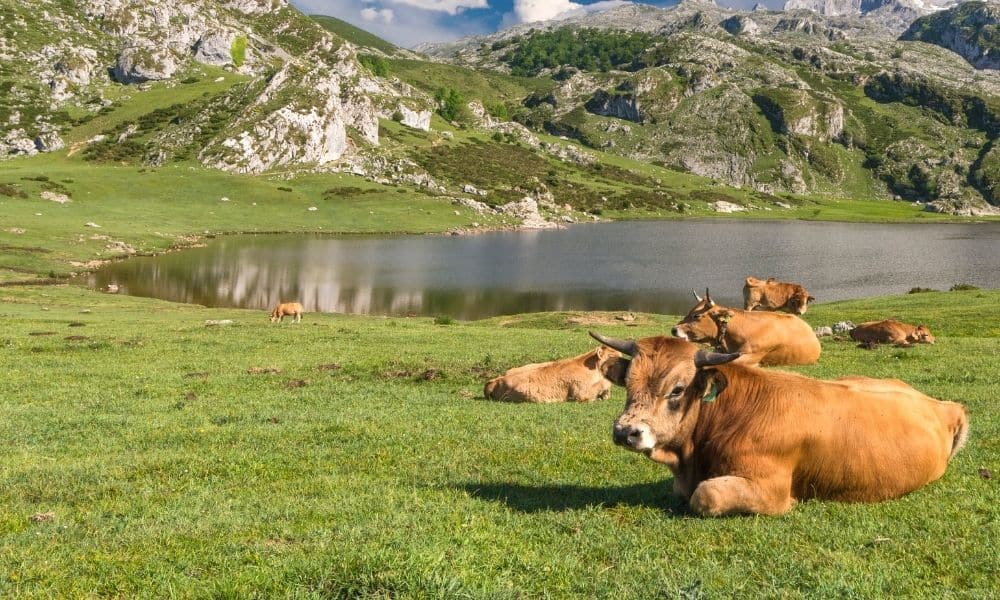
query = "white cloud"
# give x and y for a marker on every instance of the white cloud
(385, 15)
(452, 7)
(529, 11)
(409, 25)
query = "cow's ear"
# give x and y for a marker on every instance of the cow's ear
(811, 298)
(600, 355)
(707, 385)
(616, 370)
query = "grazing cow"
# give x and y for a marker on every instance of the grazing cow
(741, 439)
(286, 309)
(579, 379)
(890, 331)
(765, 338)
(775, 295)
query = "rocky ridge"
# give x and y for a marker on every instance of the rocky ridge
(812, 102)
(305, 99)
(971, 30)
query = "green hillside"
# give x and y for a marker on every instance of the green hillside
(357, 36)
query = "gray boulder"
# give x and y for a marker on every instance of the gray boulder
(138, 64)
(843, 326)
(215, 48)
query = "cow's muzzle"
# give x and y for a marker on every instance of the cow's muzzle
(633, 437)
(678, 333)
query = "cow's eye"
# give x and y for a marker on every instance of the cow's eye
(677, 391)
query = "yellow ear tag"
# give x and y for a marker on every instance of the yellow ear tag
(712, 394)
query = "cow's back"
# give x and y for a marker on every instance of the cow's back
(555, 381)
(776, 339)
(881, 332)
(853, 440)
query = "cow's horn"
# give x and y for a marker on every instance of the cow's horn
(711, 359)
(708, 298)
(697, 297)
(623, 346)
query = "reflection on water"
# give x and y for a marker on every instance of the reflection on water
(650, 266)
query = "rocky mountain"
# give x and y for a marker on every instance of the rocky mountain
(895, 15)
(971, 29)
(302, 96)
(770, 100)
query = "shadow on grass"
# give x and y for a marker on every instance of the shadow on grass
(537, 498)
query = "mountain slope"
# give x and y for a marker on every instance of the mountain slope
(303, 99)
(811, 104)
(364, 40)
(971, 29)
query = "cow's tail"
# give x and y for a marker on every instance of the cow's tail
(961, 434)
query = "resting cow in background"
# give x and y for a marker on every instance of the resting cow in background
(740, 439)
(775, 295)
(579, 379)
(765, 338)
(286, 309)
(890, 331)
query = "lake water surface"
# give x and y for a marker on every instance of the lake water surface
(641, 266)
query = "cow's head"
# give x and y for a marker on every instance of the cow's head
(799, 302)
(601, 359)
(702, 322)
(665, 378)
(921, 335)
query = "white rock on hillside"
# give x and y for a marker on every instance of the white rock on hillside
(139, 63)
(417, 119)
(526, 209)
(311, 127)
(215, 48)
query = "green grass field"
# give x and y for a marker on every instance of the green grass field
(147, 455)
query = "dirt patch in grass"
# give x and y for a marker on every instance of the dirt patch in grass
(41, 333)
(328, 367)
(263, 370)
(76, 338)
(296, 383)
(196, 375)
(43, 517)
(431, 375)
(77, 324)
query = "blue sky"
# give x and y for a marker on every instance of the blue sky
(410, 22)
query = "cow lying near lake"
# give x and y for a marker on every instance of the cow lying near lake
(579, 379)
(891, 331)
(740, 439)
(286, 309)
(771, 294)
(765, 338)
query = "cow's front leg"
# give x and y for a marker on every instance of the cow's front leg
(730, 495)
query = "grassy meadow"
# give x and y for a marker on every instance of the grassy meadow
(147, 454)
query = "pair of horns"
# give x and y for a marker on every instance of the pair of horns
(701, 359)
(707, 297)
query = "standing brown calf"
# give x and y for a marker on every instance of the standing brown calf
(579, 379)
(775, 295)
(289, 309)
(891, 331)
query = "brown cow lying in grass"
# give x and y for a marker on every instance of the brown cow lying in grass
(890, 331)
(286, 309)
(740, 439)
(771, 294)
(579, 379)
(765, 338)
